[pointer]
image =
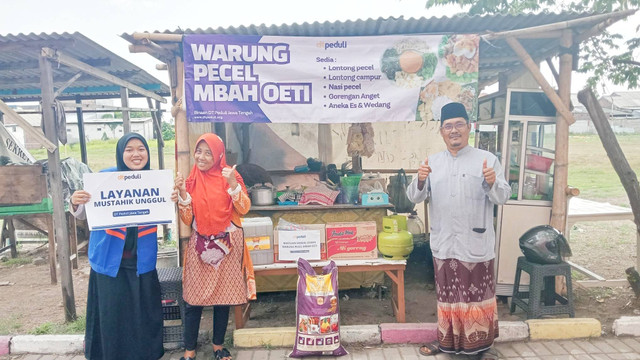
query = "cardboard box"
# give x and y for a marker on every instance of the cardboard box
(320, 228)
(356, 240)
(258, 235)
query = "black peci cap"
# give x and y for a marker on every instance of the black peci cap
(453, 110)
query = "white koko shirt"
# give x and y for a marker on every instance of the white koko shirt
(460, 200)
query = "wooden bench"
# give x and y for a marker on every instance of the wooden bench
(393, 268)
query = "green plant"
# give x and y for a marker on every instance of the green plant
(74, 327)
(18, 261)
(77, 326)
(168, 131)
(44, 329)
(10, 325)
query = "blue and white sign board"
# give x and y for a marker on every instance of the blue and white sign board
(129, 198)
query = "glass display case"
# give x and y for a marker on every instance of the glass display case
(527, 148)
(518, 126)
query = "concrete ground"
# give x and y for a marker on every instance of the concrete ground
(600, 348)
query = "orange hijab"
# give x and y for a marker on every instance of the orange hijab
(212, 204)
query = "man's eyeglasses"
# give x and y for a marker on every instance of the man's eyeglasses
(458, 126)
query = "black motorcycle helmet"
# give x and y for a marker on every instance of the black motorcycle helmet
(544, 245)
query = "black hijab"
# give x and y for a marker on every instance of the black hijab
(122, 144)
(131, 239)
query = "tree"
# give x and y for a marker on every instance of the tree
(600, 56)
(168, 131)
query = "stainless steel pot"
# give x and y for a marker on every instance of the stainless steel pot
(262, 195)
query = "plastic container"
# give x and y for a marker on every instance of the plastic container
(258, 235)
(349, 189)
(538, 163)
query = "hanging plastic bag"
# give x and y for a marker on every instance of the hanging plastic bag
(317, 312)
(397, 190)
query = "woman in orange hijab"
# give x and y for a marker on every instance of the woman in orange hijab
(217, 268)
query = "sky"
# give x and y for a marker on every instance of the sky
(104, 20)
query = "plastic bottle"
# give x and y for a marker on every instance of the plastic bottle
(415, 226)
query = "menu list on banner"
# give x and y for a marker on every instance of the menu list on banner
(241, 78)
(129, 198)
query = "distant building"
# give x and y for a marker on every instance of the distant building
(622, 108)
(95, 127)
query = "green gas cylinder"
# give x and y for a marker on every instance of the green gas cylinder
(393, 242)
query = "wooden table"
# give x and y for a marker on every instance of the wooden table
(393, 268)
(22, 214)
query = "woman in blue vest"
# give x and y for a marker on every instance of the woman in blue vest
(124, 308)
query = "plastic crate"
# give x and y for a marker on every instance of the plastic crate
(172, 334)
(171, 312)
(173, 304)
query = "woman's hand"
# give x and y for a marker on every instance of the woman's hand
(80, 197)
(178, 188)
(229, 173)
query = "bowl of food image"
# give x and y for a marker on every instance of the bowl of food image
(434, 95)
(409, 63)
(461, 57)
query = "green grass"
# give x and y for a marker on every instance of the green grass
(17, 261)
(590, 169)
(10, 325)
(101, 153)
(74, 327)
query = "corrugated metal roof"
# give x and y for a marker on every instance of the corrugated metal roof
(495, 56)
(628, 100)
(459, 24)
(20, 74)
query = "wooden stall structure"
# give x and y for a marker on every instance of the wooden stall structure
(510, 45)
(48, 68)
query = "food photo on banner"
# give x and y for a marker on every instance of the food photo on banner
(129, 198)
(276, 79)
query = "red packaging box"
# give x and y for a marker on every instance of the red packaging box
(355, 240)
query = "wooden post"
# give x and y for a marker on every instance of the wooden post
(73, 240)
(627, 176)
(12, 237)
(533, 68)
(157, 116)
(160, 143)
(157, 129)
(182, 140)
(126, 121)
(561, 167)
(55, 181)
(83, 140)
(52, 249)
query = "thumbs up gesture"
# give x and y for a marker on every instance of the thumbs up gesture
(488, 173)
(229, 173)
(424, 170)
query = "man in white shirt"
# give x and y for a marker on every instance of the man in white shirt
(462, 185)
